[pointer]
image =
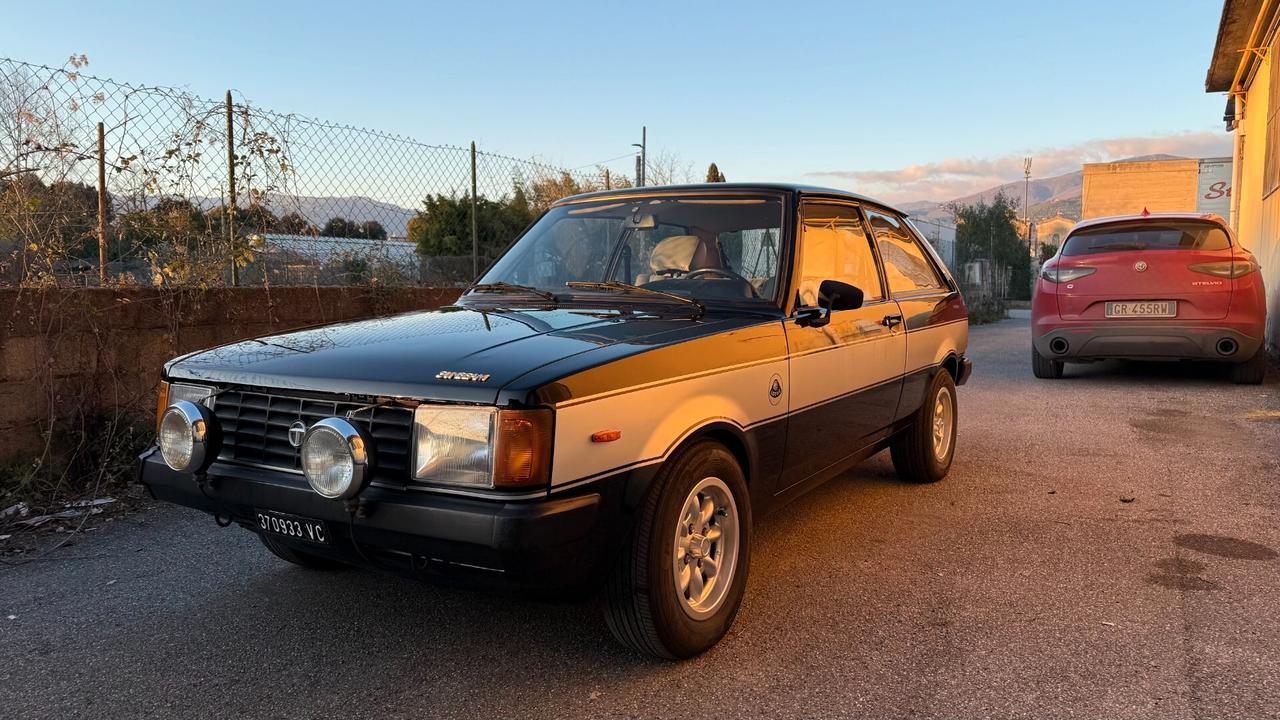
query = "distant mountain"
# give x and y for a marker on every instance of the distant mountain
(1048, 196)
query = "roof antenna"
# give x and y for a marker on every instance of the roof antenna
(1146, 212)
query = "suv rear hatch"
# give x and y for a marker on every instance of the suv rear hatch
(1140, 265)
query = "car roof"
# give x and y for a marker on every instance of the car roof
(1150, 217)
(805, 190)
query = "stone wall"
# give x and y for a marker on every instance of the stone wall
(67, 355)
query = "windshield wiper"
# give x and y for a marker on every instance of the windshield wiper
(616, 286)
(504, 287)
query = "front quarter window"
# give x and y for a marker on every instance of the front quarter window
(714, 248)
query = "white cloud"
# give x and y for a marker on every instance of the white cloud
(951, 178)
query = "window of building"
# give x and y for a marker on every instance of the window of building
(905, 266)
(835, 246)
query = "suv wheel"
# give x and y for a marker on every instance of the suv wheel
(922, 453)
(1044, 368)
(677, 584)
(299, 557)
(1251, 371)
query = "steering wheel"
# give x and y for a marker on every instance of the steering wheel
(724, 273)
(729, 274)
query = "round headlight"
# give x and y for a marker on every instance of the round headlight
(336, 458)
(188, 437)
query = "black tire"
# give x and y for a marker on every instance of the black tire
(913, 450)
(299, 557)
(1044, 368)
(1251, 371)
(643, 605)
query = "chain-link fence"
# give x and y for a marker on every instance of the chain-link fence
(106, 182)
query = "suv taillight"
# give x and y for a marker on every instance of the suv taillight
(1055, 274)
(1226, 268)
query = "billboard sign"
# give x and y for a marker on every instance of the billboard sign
(1213, 191)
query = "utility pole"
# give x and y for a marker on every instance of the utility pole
(1026, 199)
(642, 160)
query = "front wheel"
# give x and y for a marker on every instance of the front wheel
(679, 580)
(922, 453)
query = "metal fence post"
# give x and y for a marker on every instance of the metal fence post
(229, 213)
(102, 206)
(475, 233)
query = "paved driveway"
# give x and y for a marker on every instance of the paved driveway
(1104, 547)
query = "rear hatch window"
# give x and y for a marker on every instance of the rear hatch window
(1147, 235)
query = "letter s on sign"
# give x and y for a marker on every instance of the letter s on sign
(1217, 190)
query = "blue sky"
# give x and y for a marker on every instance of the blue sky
(907, 100)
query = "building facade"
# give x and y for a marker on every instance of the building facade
(1173, 185)
(1243, 66)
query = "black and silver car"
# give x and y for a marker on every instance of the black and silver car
(641, 376)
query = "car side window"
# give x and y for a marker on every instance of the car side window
(905, 266)
(834, 246)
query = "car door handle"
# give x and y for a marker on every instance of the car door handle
(891, 321)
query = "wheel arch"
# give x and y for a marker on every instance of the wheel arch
(724, 432)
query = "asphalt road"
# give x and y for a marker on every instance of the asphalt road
(1024, 585)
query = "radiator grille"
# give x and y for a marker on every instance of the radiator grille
(255, 429)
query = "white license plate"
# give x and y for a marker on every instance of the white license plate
(1143, 308)
(293, 527)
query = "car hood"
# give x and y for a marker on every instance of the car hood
(405, 355)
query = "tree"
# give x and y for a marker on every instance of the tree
(337, 227)
(294, 224)
(989, 231)
(443, 226)
(371, 229)
(714, 175)
(1047, 251)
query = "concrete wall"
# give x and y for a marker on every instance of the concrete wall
(1257, 219)
(64, 353)
(1126, 188)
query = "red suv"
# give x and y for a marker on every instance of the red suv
(1168, 286)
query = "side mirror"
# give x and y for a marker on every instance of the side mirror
(835, 295)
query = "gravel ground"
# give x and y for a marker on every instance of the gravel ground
(1106, 546)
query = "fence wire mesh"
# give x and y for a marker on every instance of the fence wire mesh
(203, 192)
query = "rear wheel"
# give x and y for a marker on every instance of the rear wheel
(1045, 368)
(679, 580)
(1251, 371)
(922, 453)
(299, 557)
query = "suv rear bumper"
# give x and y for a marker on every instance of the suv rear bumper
(1127, 340)
(550, 541)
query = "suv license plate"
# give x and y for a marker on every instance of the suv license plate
(1142, 308)
(293, 527)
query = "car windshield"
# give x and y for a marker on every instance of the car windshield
(716, 248)
(1171, 235)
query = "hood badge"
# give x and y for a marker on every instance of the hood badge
(297, 431)
(1140, 266)
(463, 376)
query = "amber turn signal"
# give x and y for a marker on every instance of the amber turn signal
(162, 403)
(604, 436)
(523, 449)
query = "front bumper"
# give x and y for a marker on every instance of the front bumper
(553, 540)
(1128, 340)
